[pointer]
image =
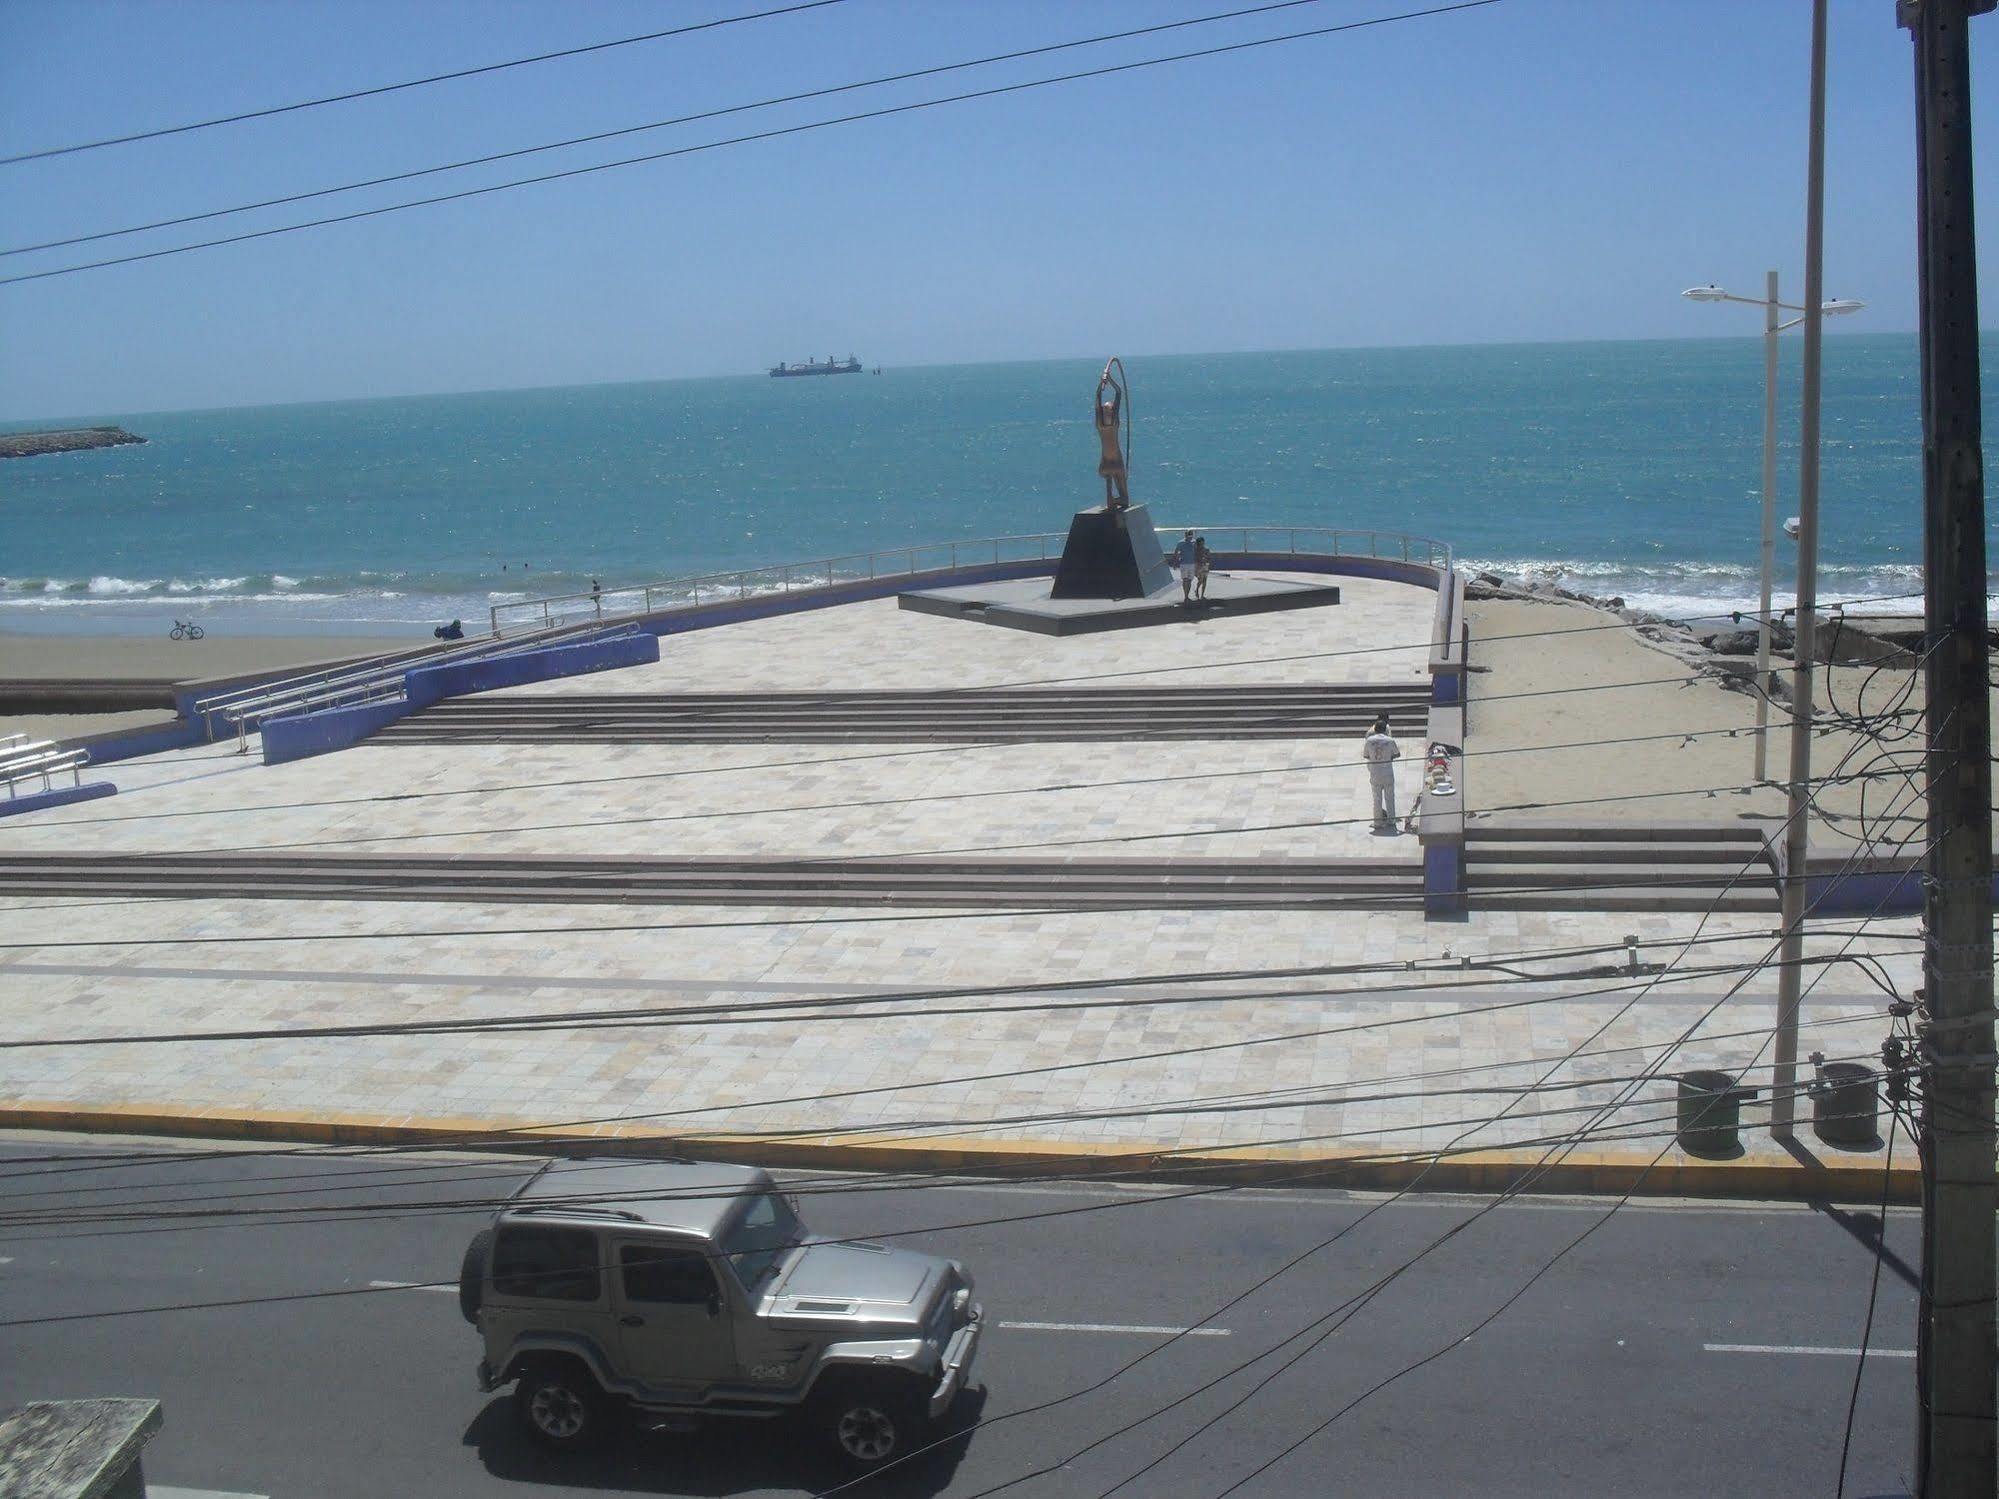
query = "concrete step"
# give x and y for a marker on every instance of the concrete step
(1656, 900)
(1108, 883)
(1481, 831)
(987, 714)
(1729, 854)
(1757, 876)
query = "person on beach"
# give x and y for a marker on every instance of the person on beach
(1380, 753)
(1202, 560)
(1184, 556)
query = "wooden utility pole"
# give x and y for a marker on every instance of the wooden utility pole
(1957, 1357)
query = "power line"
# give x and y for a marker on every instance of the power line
(1519, 1184)
(761, 135)
(1520, 1291)
(688, 119)
(390, 88)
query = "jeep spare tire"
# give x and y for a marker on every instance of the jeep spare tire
(472, 1274)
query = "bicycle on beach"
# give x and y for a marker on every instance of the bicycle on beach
(185, 629)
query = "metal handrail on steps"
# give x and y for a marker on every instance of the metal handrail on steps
(24, 759)
(938, 556)
(381, 677)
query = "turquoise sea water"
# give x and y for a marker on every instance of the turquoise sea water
(1628, 468)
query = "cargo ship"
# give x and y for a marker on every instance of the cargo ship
(848, 366)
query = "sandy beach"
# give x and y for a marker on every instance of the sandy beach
(27, 659)
(155, 658)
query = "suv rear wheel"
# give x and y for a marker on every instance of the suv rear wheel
(871, 1421)
(561, 1406)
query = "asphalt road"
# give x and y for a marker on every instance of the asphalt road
(1679, 1349)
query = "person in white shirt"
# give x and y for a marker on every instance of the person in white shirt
(1380, 753)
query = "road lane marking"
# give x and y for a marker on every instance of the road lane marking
(1803, 1348)
(1157, 1332)
(408, 1285)
(155, 1491)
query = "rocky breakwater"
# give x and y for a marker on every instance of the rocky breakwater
(1725, 653)
(64, 440)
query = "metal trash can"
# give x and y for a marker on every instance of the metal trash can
(1846, 1104)
(1710, 1113)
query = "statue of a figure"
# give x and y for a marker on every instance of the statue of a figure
(1111, 414)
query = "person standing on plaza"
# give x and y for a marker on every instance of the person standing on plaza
(1203, 559)
(1183, 563)
(1380, 753)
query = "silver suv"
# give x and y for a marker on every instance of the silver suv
(677, 1291)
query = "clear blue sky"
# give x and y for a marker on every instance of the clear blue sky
(1537, 170)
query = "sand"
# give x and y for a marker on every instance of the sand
(157, 658)
(1706, 777)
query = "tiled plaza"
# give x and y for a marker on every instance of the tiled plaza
(920, 1023)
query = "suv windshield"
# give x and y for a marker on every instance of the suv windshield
(760, 1236)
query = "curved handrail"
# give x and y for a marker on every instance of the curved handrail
(824, 572)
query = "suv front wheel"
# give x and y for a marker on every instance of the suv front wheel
(871, 1421)
(561, 1406)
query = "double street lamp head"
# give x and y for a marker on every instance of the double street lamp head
(1712, 293)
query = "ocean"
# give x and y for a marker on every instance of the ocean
(1619, 468)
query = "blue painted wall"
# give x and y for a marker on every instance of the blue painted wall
(61, 796)
(429, 684)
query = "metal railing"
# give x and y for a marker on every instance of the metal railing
(367, 681)
(23, 759)
(558, 609)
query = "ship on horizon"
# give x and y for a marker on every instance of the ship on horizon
(848, 366)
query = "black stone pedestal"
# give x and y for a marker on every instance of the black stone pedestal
(1111, 555)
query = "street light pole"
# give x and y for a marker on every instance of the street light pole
(1770, 331)
(1771, 306)
(1797, 826)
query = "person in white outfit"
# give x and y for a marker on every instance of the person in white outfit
(1380, 753)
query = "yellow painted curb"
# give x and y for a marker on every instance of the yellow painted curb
(1607, 1172)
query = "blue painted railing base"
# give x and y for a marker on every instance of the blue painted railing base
(60, 796)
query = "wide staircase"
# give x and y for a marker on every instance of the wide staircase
(1065, 884)
(1525, 866)
(976, 715)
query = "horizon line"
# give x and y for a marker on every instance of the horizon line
(102, 415)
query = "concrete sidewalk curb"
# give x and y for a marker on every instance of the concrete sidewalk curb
(1603, 1172)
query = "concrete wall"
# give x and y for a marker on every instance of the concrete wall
(304, 734)
(429, 684)
(127, 744)
(307, 734)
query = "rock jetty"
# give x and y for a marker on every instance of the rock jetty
(65, 440)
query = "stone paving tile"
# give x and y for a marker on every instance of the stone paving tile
(1380, 630)
(712, 1076)
(1318, 1051)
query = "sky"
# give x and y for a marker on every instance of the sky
(1534, 170)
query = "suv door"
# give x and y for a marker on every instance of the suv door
(674, 1316)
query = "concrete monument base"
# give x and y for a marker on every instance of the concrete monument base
(1027, 604)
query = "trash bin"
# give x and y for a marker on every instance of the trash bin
(1710, 1113)
(1846, 1104)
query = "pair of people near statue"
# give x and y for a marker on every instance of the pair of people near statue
(1191, 559)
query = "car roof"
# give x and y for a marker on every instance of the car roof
(684, 1196)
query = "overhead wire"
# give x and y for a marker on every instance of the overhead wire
(1357, 1303)
(390, 88)
(650, 125)
(1458, 1341)
(746, 139)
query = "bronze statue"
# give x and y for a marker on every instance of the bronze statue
(1111, 405)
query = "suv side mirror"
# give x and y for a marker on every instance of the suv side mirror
(715, 1306)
